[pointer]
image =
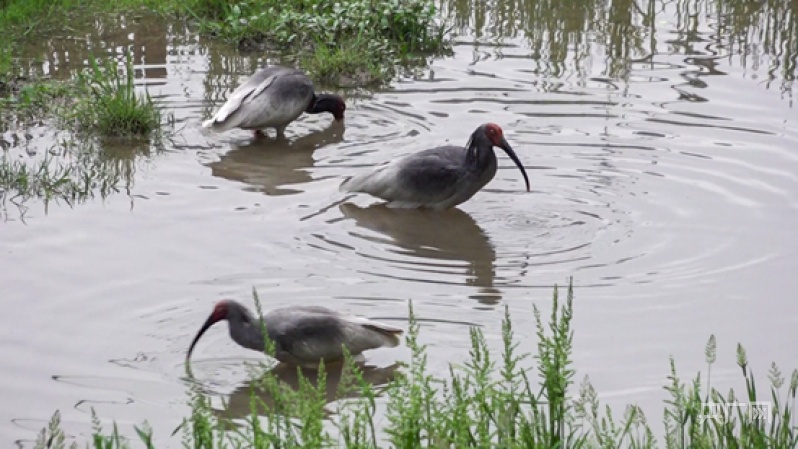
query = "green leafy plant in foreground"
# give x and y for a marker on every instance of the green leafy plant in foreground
(484, 403)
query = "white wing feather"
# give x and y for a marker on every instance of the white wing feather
(233, 104)
(380, 182)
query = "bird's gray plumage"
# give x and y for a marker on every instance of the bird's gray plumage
(273, 97)
(304, 335)
(438, 178)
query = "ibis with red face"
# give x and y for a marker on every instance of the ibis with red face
(302, 335)
(438, 178)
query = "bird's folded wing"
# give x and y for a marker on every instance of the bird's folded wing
(424, 183)
(246, 91)
(405, 178)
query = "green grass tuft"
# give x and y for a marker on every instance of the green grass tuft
(101, 102)
(111, 106)
(347, 66)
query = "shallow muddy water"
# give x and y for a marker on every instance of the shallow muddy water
(660, 139)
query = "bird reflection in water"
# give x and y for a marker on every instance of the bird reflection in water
(271, 165)
(238, 405)
(437, 236)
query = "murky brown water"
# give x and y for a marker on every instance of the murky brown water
(660, 138)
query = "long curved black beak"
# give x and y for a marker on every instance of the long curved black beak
(208, 323)
(509, 150)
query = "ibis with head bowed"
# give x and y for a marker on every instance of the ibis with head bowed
(302, 335)
(438, 178)
(272, 98)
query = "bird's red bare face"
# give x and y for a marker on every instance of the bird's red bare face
(495, 134)
(219, 311)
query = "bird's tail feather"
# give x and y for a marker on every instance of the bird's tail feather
(362, 182)
(390, 334)
(216, 125)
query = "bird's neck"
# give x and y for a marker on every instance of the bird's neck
(479, 158)
(321, 103)
(313, 105)
(247, 333)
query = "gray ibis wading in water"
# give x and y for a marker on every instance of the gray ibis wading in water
(302, 335)
(438, 178)
(272, 98)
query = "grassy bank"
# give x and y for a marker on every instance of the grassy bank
(356, 42)
(504, 400)
(353, 43)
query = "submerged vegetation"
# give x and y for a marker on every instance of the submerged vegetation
(96, 104)
(486, 402)
(99, 103)
(72, 177)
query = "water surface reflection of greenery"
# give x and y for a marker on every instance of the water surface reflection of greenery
(568, 35)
